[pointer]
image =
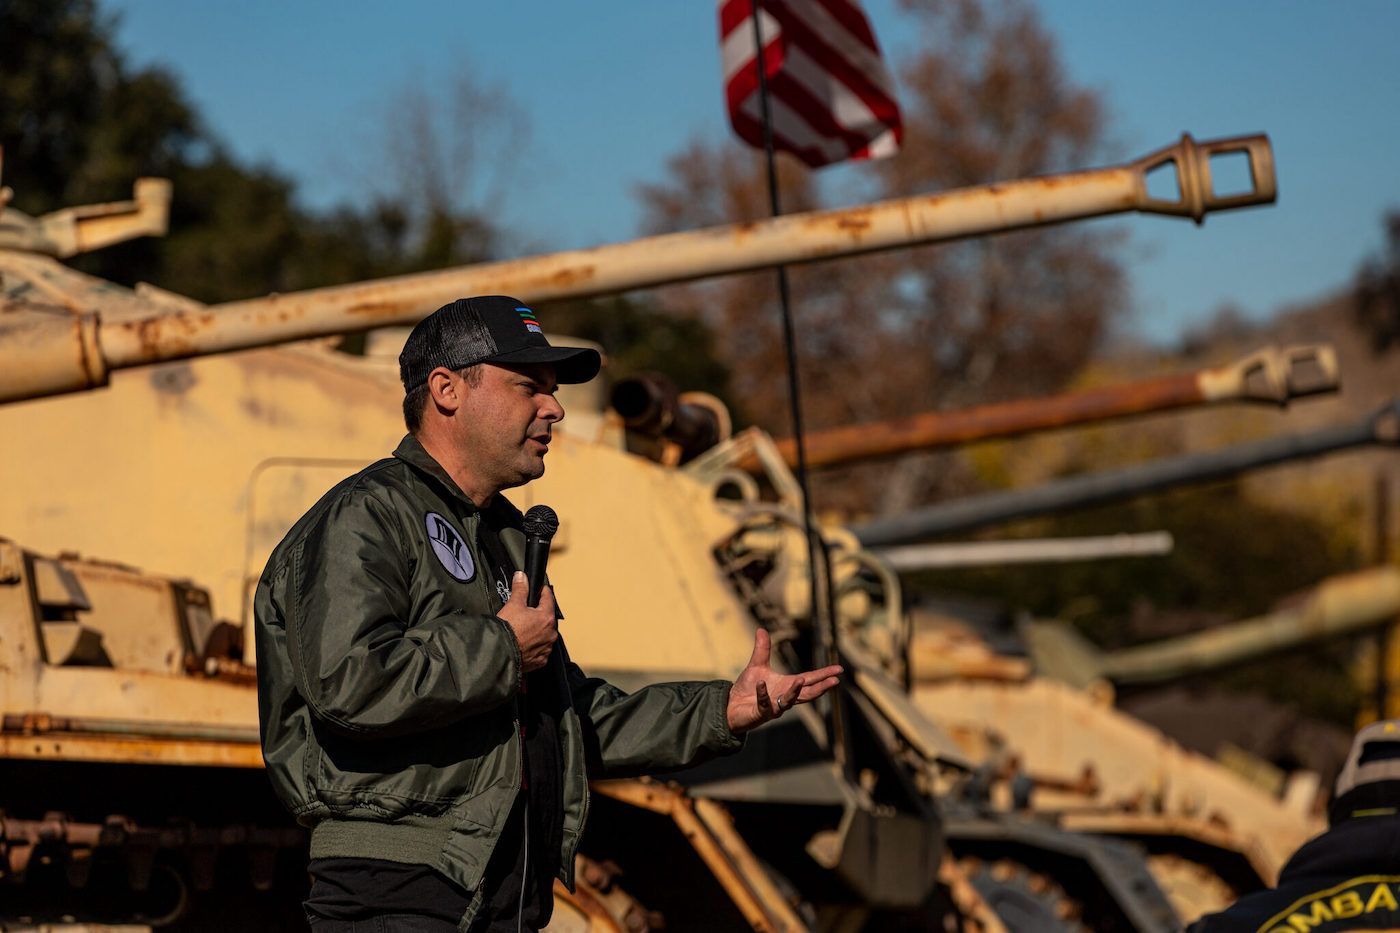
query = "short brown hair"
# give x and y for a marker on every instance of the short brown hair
(416, 400)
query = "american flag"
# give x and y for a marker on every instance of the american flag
(830, 95)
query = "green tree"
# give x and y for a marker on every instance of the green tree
(78, 124)
(1378, 290)
(55, 69)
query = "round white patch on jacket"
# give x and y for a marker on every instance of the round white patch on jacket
(449, 547)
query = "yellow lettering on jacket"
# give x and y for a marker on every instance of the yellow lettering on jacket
(1381, 897)
(1347, 904)
(1319, 915)
(1362, 895)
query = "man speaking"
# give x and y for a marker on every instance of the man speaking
(417, 713)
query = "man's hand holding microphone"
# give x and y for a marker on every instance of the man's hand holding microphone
(530, 611)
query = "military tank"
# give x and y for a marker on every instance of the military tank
(1042, 721)
(139, 768)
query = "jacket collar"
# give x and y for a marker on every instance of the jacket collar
(410, 451)
(500, 511)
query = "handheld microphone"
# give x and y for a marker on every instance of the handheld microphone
(540, 525)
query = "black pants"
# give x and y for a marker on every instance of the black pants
(388, 923)
(373, 896)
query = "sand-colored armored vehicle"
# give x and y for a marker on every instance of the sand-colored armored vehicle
(130, 784)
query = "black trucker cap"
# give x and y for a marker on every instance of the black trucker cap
(487, 329)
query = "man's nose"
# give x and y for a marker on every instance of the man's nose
(552, 409)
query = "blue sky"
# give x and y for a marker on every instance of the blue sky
(612, 89)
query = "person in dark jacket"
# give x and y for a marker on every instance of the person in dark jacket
(416, 714)
(1347, 878)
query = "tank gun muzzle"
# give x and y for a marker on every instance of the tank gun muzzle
(650, 405)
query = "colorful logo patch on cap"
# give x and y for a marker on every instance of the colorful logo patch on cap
(447, 544)
(528, 317)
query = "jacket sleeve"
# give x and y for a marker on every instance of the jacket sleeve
(359, 660)
(661, 727)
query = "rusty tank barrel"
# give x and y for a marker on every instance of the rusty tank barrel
(75, 351)
(1380, 427)
(1338, 606)
(1268, 375)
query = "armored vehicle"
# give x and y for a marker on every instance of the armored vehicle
(131, 790)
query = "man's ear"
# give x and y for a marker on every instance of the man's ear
(445, 388)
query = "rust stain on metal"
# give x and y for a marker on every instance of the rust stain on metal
(156, 343)
(170, 335)
(1051, 182)
(375, 309)
(126, 749)
(84, 359)
(574, 275)
(851, 219)
(281, 311)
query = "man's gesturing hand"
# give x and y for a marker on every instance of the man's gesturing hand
(535, 629)
(761, 693)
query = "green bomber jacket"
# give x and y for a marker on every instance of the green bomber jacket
(386, 680)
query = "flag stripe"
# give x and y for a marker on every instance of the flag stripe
(749, 128)
(853, 20)
(817, 17)
(815, 112)
(744, 84)
(736, 45)
(852, 76)
(732, 13)
(847, 110)
(831, 96)
(795, 133)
